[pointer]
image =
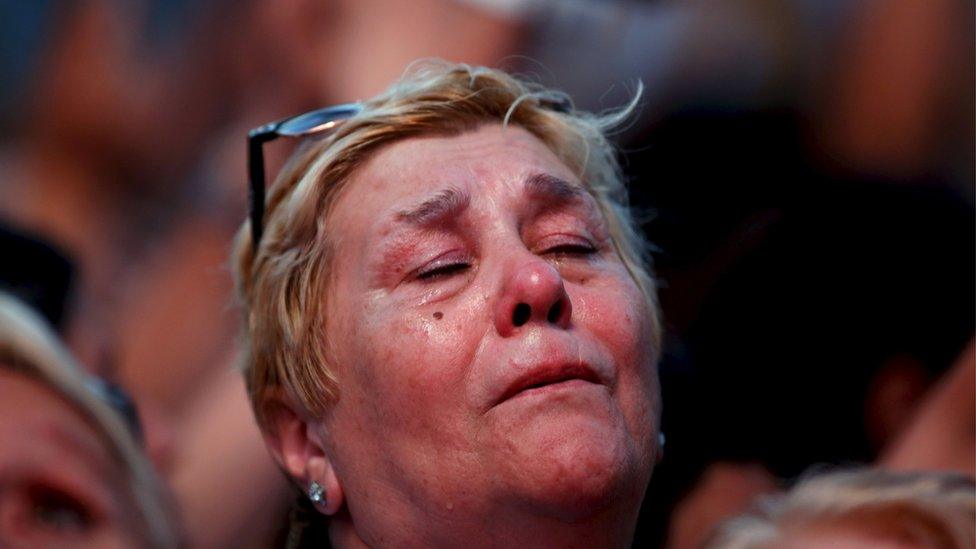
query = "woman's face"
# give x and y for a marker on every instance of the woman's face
(490, 347)
(59, 485)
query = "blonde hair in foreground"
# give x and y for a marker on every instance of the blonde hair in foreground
(932, 510)
(29, 346)
(282, 285)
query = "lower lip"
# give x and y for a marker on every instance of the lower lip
(568, 385)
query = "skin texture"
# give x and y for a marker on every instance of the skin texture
(436, 308)
(59, 487)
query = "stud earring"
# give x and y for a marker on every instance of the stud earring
(316, 493)
(660, 440)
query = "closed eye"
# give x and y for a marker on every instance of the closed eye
(57, 510)
(571, 249)
(435, 272)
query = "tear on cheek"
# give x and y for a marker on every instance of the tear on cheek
(438, 315)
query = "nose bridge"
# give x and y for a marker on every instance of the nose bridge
(531, 291)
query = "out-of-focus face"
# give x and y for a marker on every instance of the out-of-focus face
(59, 485)
(490, 347)
(852, 536)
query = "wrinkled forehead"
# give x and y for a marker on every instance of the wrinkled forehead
(492, 162)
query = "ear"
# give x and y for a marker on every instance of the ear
(296, 443)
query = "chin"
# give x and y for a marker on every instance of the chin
(572, 469)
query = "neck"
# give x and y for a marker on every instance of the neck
(508, 527)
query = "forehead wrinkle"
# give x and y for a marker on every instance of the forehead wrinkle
(445, 203)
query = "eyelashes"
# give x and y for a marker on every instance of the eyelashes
(577, 249)
(558, 248)
(562, 247)
(443, 270)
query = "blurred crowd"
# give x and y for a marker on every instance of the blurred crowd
(805, 168)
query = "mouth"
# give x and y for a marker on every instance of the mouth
(546, 376)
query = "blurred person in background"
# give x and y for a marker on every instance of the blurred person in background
(815, 292)
(85, 173)
(860, 509)
(72, 473)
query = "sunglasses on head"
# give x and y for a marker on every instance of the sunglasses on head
(311, 123)
(317, 122)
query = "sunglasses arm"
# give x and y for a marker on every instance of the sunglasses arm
(256, 139)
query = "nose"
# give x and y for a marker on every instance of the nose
(532, 291)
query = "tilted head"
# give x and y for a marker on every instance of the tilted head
(450, 313)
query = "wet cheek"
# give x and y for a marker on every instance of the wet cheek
(618, 316)
(416, 361)
(621, 322)
(608, 310)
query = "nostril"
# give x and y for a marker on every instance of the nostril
(554, 312)
(521, 314)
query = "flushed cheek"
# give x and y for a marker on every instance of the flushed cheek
(615, 313)
(617, 316)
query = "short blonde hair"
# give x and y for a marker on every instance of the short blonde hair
(28, 345)
(282, 283)
(931, 509)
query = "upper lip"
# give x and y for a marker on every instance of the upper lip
(548, 374)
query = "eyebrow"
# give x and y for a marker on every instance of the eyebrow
(547, 187)
(445, 203)
(450, 202)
